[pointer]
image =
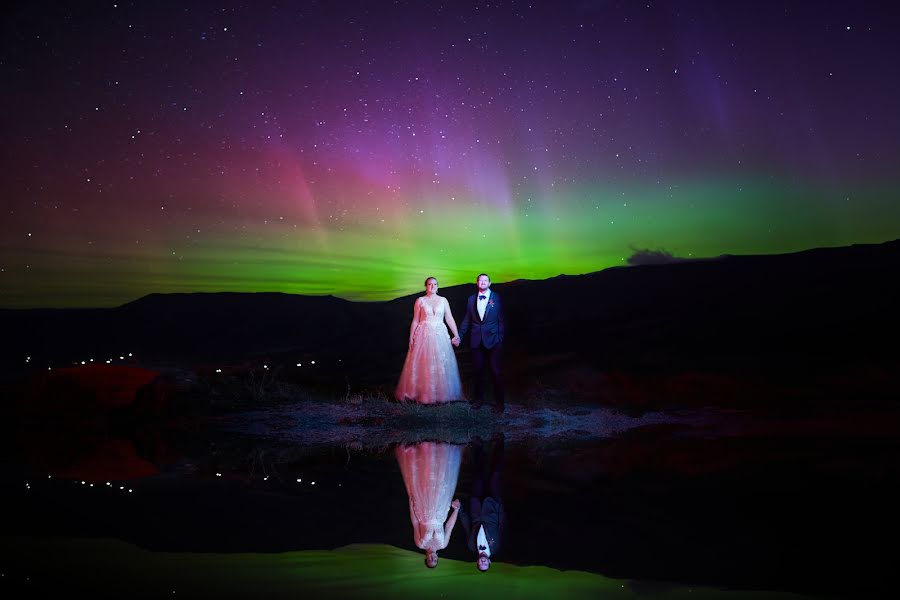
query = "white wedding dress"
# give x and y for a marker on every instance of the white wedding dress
(430, 471)
(430, 374)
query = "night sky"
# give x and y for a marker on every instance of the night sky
(354, 148)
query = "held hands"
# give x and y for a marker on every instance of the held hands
(455, 504)
(455, 341)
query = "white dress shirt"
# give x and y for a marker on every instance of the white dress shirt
(482, 542)
(480, 304)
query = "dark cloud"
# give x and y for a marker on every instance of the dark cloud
(653, 257)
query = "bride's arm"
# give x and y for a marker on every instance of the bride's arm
(415, 322)
(448, 318)
(417, 536)
(412, 515)
(451, 522)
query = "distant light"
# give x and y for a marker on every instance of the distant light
(313, 483)
(129, 354)
(312, 362)
(299, 480)
(299, 364)
(218, 370)
(121, 358)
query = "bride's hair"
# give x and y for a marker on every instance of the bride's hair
(427, 278)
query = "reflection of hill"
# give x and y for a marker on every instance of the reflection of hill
(806, 313)
(355, 571)
(90, 458)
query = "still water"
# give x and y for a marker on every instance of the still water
(721, 501)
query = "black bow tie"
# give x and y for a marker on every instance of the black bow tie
(482, 548)
(482, 297)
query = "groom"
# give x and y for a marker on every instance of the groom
(484, 517)
(484, 316)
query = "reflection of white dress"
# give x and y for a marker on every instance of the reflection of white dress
(430, 471)
(430, 374)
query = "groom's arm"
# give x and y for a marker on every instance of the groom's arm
(466, 520)
(464, 327)
(501, 322)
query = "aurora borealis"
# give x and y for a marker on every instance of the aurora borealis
(354, 148)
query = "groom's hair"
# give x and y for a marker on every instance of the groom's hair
(480, 275)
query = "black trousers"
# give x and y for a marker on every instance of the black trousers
(483, 358)
(487, 482)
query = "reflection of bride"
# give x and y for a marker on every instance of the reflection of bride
(430, 471)
(430, 373)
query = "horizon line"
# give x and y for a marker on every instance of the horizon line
(667, 260)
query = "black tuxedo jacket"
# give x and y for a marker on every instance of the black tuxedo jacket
(490, 330)
(488, 512)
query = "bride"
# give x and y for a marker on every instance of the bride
(430, 472)
(430, 374)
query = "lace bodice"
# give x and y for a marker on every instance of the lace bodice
(432, 310)
(428, 531)
(430, 535)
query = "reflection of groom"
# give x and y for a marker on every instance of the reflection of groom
(484, 316)
(484, 518)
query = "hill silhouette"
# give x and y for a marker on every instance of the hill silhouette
(802, 314)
